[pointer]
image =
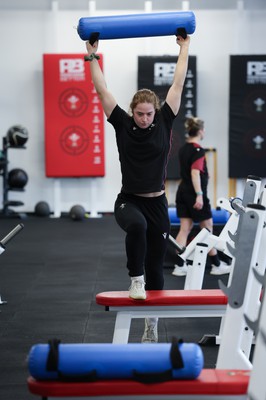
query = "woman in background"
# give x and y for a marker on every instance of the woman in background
(192, 202)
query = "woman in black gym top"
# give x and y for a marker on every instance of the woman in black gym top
(143, 139)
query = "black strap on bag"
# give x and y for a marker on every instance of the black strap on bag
(175, 354)
(53, 355)
(89, 377)
(181, 32)
(158, 377)
(153, 377)
(94, 36)
(52, 365)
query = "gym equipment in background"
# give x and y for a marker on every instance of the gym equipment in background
(16, 179)
(2, 161)
(5, 240)
(17, 136)
(42, 209)
(219, 216)
(243, 290)
(180, 249)
(136, 25)
(77, 213)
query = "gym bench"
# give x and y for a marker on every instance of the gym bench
(213, 384)
(161, 304)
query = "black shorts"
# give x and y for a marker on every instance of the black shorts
(185, 203)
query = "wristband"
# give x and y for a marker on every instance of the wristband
(91, 57)
(199, 193)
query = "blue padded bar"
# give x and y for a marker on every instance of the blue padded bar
(136, 25)
(114, 361)
(219, 216)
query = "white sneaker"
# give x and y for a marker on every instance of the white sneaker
(180, 271)
(221, 270)
(150, 334)
(137, 290)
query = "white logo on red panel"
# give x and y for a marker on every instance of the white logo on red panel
(73, 102)
(72, 69)
(74, 140)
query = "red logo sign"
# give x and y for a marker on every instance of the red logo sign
(74, 122)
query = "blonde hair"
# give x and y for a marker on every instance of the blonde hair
(193, 125)
(144, 96)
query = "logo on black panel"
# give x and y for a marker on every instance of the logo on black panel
(73, 102)
(74, 140)
(256, 72)
(255, 144)
(163, 73)
(255, 104)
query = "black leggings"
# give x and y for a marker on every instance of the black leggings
(146, 223)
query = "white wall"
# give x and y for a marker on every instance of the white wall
(26, 35)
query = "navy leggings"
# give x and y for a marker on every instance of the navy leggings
(146, 223)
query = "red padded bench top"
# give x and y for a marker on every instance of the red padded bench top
(210, 382)
(163, 298)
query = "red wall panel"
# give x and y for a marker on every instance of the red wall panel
(73, 117)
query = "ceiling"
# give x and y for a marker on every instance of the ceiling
(16, 5)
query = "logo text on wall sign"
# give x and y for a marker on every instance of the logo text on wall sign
(71, 69)
(256, 72)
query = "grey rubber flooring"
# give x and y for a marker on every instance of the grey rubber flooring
(49, 276)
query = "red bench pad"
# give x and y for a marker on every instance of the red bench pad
(210, 382)
(163, 298)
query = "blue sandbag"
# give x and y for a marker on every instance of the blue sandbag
(219, 216)
(136, 25)
(115, 361)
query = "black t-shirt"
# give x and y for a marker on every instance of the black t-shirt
(143, 153)
(192, 156)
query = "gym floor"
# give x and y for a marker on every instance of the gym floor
(49, 276)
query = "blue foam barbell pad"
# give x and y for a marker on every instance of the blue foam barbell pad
(136, 25)
(219, 216)
(114, 361)
(174, 219)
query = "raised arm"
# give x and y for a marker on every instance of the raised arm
(173, 97)
(106, 98)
